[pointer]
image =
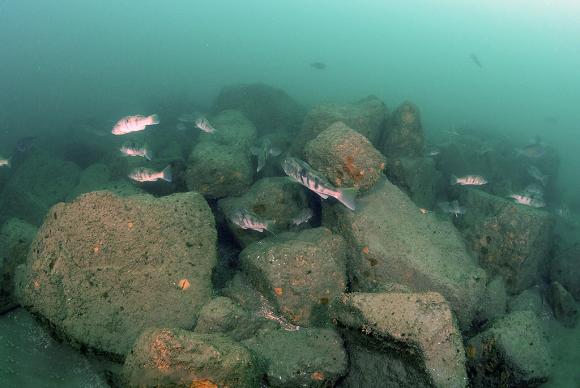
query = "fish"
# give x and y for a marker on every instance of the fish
(476, 60)
(245, 219)
(532, 151)
(318, 65)
(528, 200)
(452, 208)
(267, 313)
(204, 125)
(534, 190)
(468, 180)
(134, 124)
(5, 162)
(142, 174)
(302, 173)
(433, 152)
(538, 175)
(263, 151)
(24, 143)
(304, 216)
(132, 149)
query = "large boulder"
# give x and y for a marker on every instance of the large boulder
(303, 358)
(365, 116)
(401, 340)
(180, 358)
(513, 352)
(40, 181)
(563, 305)
(223, 315)
(269, 108)
(300, 273)
(565, 269)
(277, 199)
(494, 302)
(126, 263)
(390, 240)
(510, 240)
(418, 177)
(345, 157)
(15, 239)
(403, 136)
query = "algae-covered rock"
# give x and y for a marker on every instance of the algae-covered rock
(303, 358)
(494, 301)
(233, 129)
(403, 136)
(390, 240)
(563, 305)
(365, 116)
(222, 315)
(512, 353)
(277, 199)
(125, 263)
(300, 273)
(15, 239)
(40, 181)
(180, 358)
(418, 177)
(345, 157)
(511, 240)
(269, 108)
(565, 269)
(401, 340)
(218, 171)
(530, 300)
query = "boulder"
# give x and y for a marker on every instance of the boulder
(233, 129)
(530, 300)
(303, 358)
(401, 340)
(563, 305)
(345, 157)
(277, 199)
(510, 240)
(269, 108)
(365, 116)
(389, 240)
(513, 352)
(299, 273)
(565, 269)
(40, 181)
(494, 302)
(15, 239)
(222, 315)
(403, 135)
(418, 178)
(180, 358)
(126, 263)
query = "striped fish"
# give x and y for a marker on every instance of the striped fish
(133, 124)
(302, 173)
(245, 219)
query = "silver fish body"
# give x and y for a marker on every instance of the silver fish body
(263, 152)
(143, 174)
(245, 219)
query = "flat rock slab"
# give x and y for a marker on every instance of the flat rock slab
(103, 268)
(391, 241)
(180, 358)
(414, 337)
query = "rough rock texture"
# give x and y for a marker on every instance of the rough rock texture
(300, 273)
(390, 241)
(269, 108)
(277, 199)
(512, 353)
(345, 157)
(233, 129)
(15, 239)
(402, 340)
(418, 177)
(40, 181)
(303, 358)
(222, 315)
(511, 240)
(125, 263)
(180, 358)
(565, 269)
(494, 302)
(365, 116)
(218, 171)
(563, 305)
(403, 136)
(531, 300)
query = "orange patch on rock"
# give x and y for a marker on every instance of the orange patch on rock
(278, 291)
(471, 352)
(317, 376)
(203, 384)
(36, 284)
(184, 284)
(365, 250)
(130, 225)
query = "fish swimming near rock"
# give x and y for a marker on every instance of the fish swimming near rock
(527, 200)
(318, 65)
(538, 175)
(304, 216)
(534, 190)
(469, 180)
(245, 219)
(203, 124)
(476, 60)
(263, 151)
(302, 173)
(432, 152)
(5, 162)
(142, 174)
(133, 149)
(134, 124)
(533, 150)
(452, 208)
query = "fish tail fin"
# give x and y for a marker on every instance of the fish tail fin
(154, 119)
(348, 197)
(270, 227)
(453, 180)
(167, 175)
(148, 154)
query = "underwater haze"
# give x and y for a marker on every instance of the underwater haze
(507, 69)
